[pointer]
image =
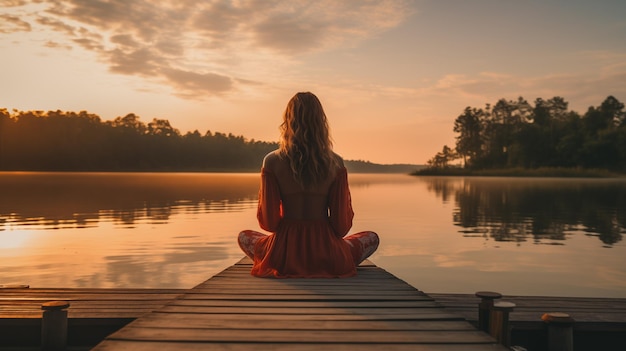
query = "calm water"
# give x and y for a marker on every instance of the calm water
(517, 236)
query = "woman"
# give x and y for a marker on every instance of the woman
(304, 201)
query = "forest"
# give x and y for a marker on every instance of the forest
(70, 141)
(545, 134)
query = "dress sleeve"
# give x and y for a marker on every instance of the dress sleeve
(340, 204)
(269, 211)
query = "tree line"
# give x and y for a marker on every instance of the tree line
(70, 141)
(545, 134)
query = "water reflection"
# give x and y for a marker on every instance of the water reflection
(175, 230)
(168, 230)
(545, 211)
(82, 200)
(141, 269)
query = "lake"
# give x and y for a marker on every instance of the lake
(517, 236)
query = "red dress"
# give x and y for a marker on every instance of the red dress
(305, 248)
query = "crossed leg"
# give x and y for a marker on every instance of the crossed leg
(362, 245)
(247, 239)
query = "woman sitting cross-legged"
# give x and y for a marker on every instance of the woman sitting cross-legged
(304, 201)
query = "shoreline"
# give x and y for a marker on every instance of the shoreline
(522, 172)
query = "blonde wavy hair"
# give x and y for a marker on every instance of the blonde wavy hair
(305, 140)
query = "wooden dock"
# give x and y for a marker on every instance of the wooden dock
(599, 323)
(235, 311)
(93, 313)
(590, 314)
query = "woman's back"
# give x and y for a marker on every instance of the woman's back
(300, 203)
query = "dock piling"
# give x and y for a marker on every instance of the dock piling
(499, 322)
(484, 308)
(560, 331)
(54, 325)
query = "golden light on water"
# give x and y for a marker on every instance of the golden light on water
(15, 239)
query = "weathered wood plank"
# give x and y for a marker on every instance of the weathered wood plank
(173, 320)
(305, 304)
(470, 301)
(297, 310)
(87, 304)
(296, 292)
(309, 297)
(301, 336)
(79, 297)
(115, 345)
(300, 303)
(239, 283)
(282, 285)
(78, 315)
(95, 291)
(424, 316)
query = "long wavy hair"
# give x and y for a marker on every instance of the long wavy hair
(305, 140)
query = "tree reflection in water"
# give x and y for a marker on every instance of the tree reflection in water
(50, 200)
(543, 210)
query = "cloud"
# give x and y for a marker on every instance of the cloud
(55, 45)
(12, 3)
(142, 61)
(584, 89)
(11, 24)
(288, 34)
(89, 44)
(56, 25)
(198, 82)
(304, 26)
(124, 40)
(210, 47)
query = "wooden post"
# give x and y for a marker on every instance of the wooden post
(499, 322)
(54, 325)
(484, 308)
(560, 331)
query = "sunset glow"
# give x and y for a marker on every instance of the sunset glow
(14, 240)
(392, 75)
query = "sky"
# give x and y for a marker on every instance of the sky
(392, 75)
